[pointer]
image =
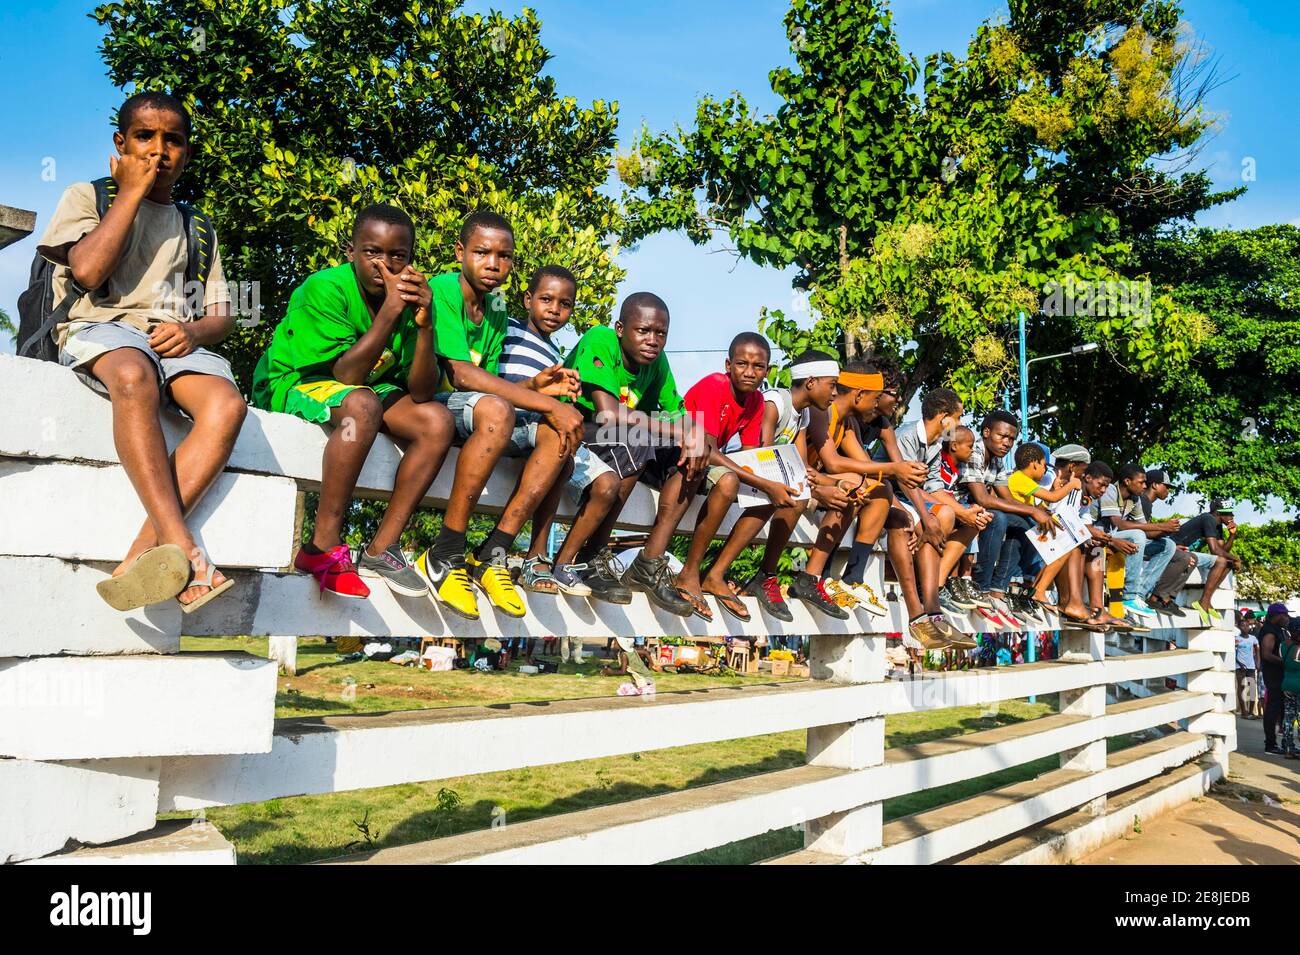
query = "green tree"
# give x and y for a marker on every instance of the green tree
(1270, 555)
(304, 112)
(1228, 419)
(8, 327)
(923, 220)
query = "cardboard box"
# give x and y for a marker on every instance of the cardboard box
(780, 667)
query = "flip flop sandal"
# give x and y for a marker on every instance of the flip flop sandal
(537, 581)
(214, 590)
(159, 574)
(733, 605)
(698, 607)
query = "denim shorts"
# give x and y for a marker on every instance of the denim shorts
(86, 341)
(586, 468)
(461, 405)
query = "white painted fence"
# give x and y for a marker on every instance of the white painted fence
(104, 724)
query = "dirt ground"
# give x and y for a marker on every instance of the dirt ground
(1251, 819)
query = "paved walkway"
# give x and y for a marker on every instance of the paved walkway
(1252, 819)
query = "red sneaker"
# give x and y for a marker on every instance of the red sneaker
(334, 571)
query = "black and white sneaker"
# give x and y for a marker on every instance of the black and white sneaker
(953, 600)
(568, 577)
(809, 589)
(966, 587)
(392, 567)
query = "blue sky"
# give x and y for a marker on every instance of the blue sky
(656, 60)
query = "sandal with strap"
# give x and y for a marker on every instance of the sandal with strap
(698, 607)
(538, 581)
(202, 576)
(731, 603)
(158, 574)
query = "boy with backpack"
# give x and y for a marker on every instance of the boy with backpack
(117, 318)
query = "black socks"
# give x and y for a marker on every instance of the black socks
(498, 542)
(449, 547)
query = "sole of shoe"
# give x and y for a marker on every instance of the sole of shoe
(618, 600)
(574, 590)
(822, 608)
(400, 589)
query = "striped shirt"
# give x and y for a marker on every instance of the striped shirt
(525, 353)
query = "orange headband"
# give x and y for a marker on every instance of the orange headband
(857, 379)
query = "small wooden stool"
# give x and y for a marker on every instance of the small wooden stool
(738, 657)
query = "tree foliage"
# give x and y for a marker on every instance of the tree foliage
(1270, 554)
(304, 112)
(923, 220)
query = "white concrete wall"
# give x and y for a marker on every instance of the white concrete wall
(56, 610)
(60, 708)
(80, 512)
(47, 806)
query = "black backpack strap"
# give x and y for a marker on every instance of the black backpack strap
(105, 193)
(201, 241)
(55, 318)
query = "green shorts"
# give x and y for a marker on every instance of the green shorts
(313, 400)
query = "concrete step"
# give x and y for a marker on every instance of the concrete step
(180, 842)
(245, 520)
(111, 707)
(47, 806)
(947, 831)
(58, 612)
(1078, 833)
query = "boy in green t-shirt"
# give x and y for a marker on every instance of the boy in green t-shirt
(355, 351)
(635, 425)
(470, 328)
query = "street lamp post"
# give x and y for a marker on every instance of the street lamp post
(1026, 362)
(1031, 651)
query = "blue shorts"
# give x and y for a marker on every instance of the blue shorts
(86, 341)
(461, 405)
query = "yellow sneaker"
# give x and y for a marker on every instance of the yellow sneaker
(840, 596)
(449, 585)
(493, 578)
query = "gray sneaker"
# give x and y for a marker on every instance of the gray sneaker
(392, 568)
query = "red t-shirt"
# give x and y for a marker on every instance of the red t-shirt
(713, 405)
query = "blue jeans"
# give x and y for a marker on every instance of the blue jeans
(1142, 572)
(1018, 556)
(991, 540)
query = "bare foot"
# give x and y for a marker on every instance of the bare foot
(1075, 611)
(193, 593)
(138, 547)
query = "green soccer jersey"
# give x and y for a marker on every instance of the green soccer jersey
(326, 316)
(459, 339)
(598, 359)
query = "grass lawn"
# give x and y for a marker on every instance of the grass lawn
(308, 828)
(318, 689)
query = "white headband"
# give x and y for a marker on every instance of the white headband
(815, 369)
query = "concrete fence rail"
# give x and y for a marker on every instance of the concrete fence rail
(106, 724)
